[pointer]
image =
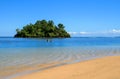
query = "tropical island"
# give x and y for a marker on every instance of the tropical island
(42, 29)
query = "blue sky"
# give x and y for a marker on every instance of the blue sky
(81, 17)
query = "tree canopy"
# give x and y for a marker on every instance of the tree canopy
(42, 28)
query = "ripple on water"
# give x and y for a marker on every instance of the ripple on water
(24, 59)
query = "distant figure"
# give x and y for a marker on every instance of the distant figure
(49, 40)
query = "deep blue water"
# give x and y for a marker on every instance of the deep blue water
(65, 42)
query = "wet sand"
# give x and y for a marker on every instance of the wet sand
(101, 68)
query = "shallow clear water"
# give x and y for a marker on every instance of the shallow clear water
(24, 55)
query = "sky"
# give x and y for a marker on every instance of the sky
(80, 17)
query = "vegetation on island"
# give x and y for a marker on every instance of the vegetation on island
(42, 29)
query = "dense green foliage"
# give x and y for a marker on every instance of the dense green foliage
(42, 28)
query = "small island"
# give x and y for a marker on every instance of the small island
(42, 29)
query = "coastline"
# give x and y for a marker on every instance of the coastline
(100, 68)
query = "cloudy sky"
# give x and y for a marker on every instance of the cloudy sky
(81, 17)
(108, 33)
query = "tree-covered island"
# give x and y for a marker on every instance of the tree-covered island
(42, 29)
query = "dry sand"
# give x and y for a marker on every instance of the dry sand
(102, 68)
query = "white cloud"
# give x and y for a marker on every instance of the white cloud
(78, 33)
(115, 31)
(83, 33)
(72, 33)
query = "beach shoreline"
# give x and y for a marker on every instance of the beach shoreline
(100, 68)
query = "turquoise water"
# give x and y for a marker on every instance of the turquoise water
(68, 42)
(26, 53)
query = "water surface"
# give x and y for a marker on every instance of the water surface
(25, 55)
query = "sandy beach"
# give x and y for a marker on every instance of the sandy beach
(101, 68)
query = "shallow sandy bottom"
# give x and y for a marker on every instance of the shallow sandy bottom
(102, 68)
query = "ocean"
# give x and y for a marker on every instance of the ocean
(19, 56)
